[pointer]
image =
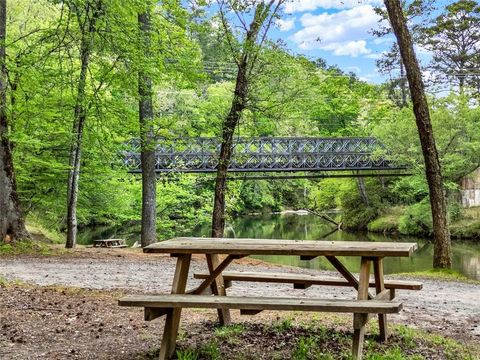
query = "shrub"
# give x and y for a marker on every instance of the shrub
(417, 220)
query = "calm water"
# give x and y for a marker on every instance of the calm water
(466, 255)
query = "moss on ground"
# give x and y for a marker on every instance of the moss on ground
(23, 247)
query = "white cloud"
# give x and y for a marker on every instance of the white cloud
(349, 48)
(375, 56)
(286, 25)
(343, 32)
(310, 5)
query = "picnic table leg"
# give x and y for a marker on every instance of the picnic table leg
(360, 320)
(379, 287)
(172, 321)
(218, 288)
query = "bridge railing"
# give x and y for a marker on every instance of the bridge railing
(265, 154)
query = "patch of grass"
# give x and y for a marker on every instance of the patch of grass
(230, 333)
(393, 354)
(282, 325)
(211, 351)
(310, 342)
(41, 233)
(408, 335)
(305, 348)
(24, 247)
(441, 274)
(187, 354)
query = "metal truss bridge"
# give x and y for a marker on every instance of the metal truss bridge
(364, 156)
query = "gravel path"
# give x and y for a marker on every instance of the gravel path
(451, 308)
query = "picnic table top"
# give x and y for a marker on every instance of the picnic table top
(195, 245)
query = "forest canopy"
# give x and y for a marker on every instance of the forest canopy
(79, 59)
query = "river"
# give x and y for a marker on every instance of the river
(466, 254)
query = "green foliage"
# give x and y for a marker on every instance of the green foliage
(324, 196)
(417, 220)
(211, 351)
(230, 333)
(24, 247)
(303, 349)
(193, 75)
(187, 354)
(385, 223)
(283, 325)
(356, 213)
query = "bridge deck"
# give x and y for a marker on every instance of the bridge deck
(200, 155)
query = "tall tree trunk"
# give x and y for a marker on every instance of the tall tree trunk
(442, 257)
(226, 150)
(12, 224)
(147, 141)
(245, 63)
(79, 119)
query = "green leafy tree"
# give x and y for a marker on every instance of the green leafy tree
(454, 40)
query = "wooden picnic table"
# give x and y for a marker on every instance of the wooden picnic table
(109, 243)
(381, 303)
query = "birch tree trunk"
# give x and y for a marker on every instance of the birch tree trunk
(92, 11)
(12, 224)
(442, 257)
(147, 140)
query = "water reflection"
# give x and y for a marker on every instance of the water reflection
(466, 255)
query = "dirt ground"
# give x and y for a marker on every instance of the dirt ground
(81, 320)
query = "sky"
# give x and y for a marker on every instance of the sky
(339, 32)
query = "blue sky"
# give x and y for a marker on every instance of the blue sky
(338, 31)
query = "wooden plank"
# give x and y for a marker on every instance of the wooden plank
(304, 279)
(260, 303)
(170, 331)
(360, 320)
(379, 288)
(352, 280)
(216, 270)
(153, 313)
(249, 312)
(280, 247)
(218, 288)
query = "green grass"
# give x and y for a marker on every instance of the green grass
(282, 325)
(187, 355)
(41, 233)
(230, 333)
(211, 351)
(312, 341)
(441, 274)
(24, 247)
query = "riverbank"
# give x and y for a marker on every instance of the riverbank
(465, 225)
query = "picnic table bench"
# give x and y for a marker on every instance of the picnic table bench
(217, 281)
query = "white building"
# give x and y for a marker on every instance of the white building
(470, 189)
